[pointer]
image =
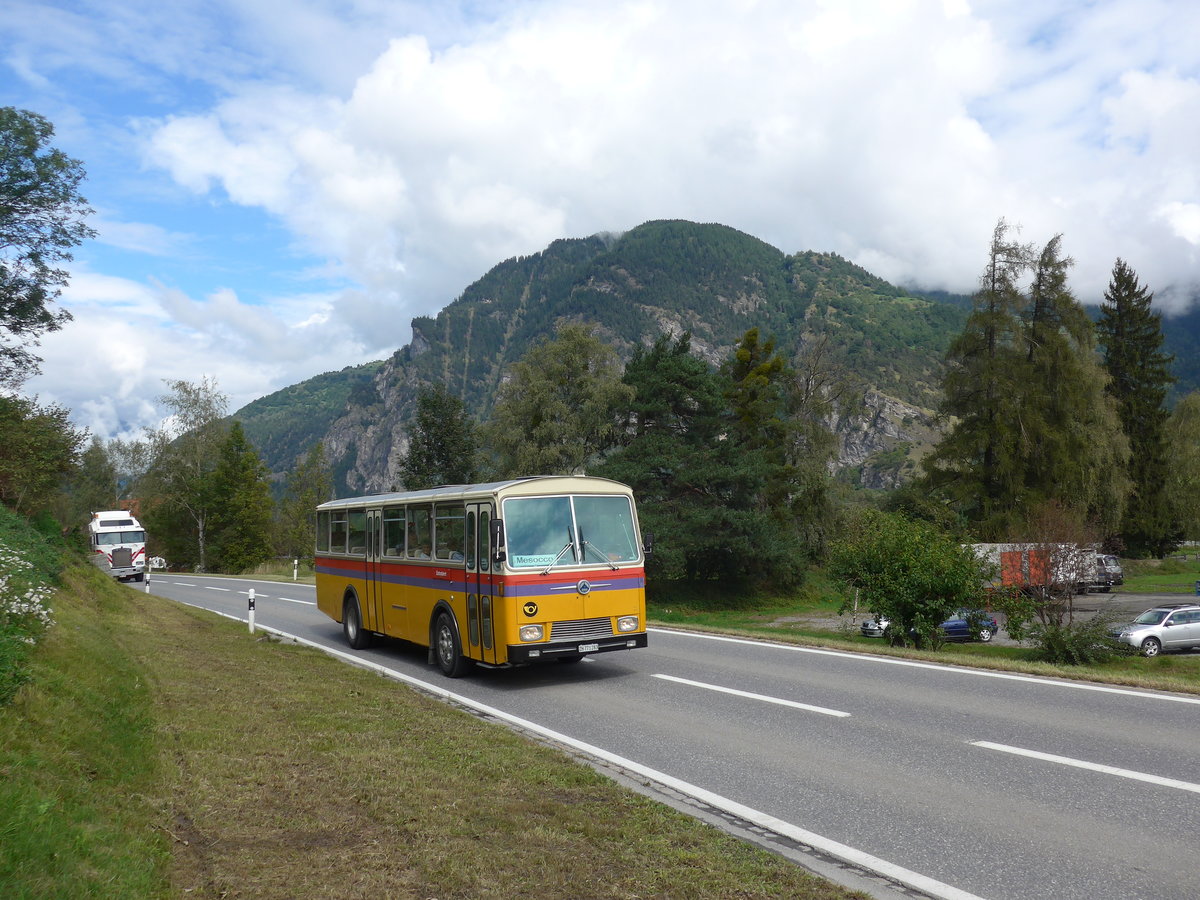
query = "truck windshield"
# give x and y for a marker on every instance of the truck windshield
(106, 538)
(588, 528)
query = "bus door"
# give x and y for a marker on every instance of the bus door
(373, 617)
(481, 625)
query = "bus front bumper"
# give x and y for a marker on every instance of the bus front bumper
(526, 653)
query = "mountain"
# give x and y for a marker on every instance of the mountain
(663, 276)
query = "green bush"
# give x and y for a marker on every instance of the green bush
(1076, 643)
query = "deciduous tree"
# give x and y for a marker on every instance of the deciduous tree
(559, 409)
(909, 573)
(38, 448)
(442, 445)
(185, 452)
(1182, 435)
(41, 219)
(309, 484)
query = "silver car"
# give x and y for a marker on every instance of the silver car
(1171, 627)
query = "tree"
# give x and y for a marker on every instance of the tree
(185, 451)
(38, 449)
(442, 447)
(978, 465)
(1029, 421)
(305, 487)
(1073, 445)
(908, 573)
(1139, 378)
(41, 219)
(674, 458)
(241, 506)
(728, 475)
(1182, 434)
(558, 411)
(90, 487)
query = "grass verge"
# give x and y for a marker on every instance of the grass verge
(787, 624)
(159, 751)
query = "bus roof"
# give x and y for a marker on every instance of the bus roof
(531, 485)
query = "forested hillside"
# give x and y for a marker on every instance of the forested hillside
(662, 277)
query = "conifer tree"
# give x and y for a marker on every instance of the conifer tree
(1073, 445)
(241, 504)
(979, 464)
(1030, 422)
(1139, 378)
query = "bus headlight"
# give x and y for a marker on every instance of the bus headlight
(627, 623)
(532, 632)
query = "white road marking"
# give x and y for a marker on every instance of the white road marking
(940, 667)
(763, 697)
(290, 600)
(209, 587)
(1094, 767)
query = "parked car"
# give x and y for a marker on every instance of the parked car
(955, 628)
(1172, 626)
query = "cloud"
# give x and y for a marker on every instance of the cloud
(110, 363)
(405, 148)
(893, 133)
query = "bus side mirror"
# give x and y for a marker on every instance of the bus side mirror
(498, 554)
(648, 543)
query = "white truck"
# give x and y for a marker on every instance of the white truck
(1054, 565)
(118, 544)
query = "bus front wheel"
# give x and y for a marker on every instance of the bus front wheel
(356, 636)
(447, 650)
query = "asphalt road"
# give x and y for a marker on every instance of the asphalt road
(987, 785)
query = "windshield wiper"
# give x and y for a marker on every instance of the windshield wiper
(570, 545)
(604, 557)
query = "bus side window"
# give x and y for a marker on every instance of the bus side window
(393, 531)
(420, 541)
(358, 532)
(485, 558)
(337, 532)
(323, 531)
(449, 532)
(471, 540)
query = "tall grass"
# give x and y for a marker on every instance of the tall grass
(29, 566)
(78, 759)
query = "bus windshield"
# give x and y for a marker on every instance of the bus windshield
(589, 528)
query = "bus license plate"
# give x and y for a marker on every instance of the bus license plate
(588, 648)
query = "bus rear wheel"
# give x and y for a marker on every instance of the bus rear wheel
(447, 650)
(356, 636)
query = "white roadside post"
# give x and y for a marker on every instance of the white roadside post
(146, 575)
(295, 569)
(252, 610)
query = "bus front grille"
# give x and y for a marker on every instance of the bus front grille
(581, 629)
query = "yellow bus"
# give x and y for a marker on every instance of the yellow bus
(502, 574)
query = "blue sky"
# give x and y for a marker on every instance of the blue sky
(280, 188)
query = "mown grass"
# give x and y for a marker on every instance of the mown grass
(1161, 576)
(159, 751)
